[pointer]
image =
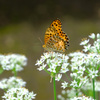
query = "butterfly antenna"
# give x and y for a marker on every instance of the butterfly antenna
(40, 40)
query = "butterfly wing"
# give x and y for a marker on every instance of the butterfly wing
(49, 33)
(57, 25)
(55, 39)
(55, 43)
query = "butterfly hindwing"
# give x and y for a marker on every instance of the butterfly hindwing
(55, 43)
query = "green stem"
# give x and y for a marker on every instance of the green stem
(77, 92)
(15, 72)
(54, 87)
(47, 71)
(93, 81)
(68, 77)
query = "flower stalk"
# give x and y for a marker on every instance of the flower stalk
(93, 81)
(54, 87)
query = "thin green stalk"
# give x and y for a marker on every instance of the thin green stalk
(54, 87)
(67, 77)
(93, 81)
(15, 72)
(77, 92)
(47, 71)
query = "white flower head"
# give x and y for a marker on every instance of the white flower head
(82, 98)
(58, 77)
(84, 42)
(56, 63)
(87, 48)
(74, 84)
(60, 97)
(64, 68)
(12, 82)
(64, 85)
(92, 36)
(21, 94)
(52, 68)
(67, 94)
(39, 62)
(11, 61)
(72, 93)
(98, 36)
(42, 67)
(93, 73)
(73, 75)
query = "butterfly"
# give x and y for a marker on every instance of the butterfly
(55, 39)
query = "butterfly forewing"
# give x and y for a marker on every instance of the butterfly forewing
(49, 33)
(57, 24)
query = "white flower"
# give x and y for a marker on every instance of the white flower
(97, 86)
(64, 85)
(39, 62)
(11, 61)
(93, 73)
(56, 63)
(46, 55)
(21, 94)
(58, 77)
(67, 94)
(12, 82)
(88, 86)
(74, 83)
(91, 59)
(84, 80)
(42, 67)
(84, 42)
(60, 97)
(72, 93)
(92, 36)
(73, 75)
(98, 36)
(52, 69)
(87, 48)
(82, 98)
(64, 68)
(81, 70)
(63, 92)
(1, 58)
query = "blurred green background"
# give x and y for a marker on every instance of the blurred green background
(23, 22)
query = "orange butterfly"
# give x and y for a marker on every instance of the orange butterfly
(55, 39)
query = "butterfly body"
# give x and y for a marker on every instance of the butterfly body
(55, 38)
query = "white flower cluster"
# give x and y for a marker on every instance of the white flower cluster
(82, 98)
(88, 86)
(56, 62)
(95, 48)
(77, 70)
(18, 94)
(13, 61)
(82, 63)
(12, 82)
(72, 93)
(67, 94)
